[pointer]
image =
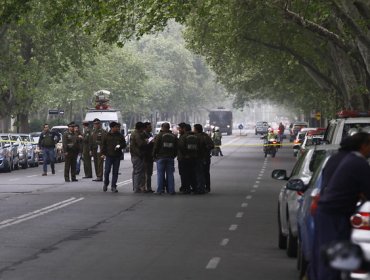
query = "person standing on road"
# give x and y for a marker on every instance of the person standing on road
(70, 148)
(112, 147)
(97, 138)
(164, 152)
(204, 160)
(47, 143)
(137, 143)
(86, 147)
(347, 185)
(217, 141)
(148, 156)
(79, 142)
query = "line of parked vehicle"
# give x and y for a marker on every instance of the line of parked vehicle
(21, 150)
(300, 194)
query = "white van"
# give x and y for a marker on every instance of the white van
(158, 126)
(105, 117)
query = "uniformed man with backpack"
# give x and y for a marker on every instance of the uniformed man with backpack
(186, 156)
(204, 160)
(164, 152)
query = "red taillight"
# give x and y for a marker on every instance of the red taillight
(314, 203)
(361, 220)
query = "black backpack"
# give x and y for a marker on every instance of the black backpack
(191, 145)
(168, 141)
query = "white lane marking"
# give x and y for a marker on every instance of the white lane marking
(259, 178)
(257, 182)
(15, 179)
(248, 197)
(239, 215)
(30, 176)
(244, 204)
(254, 190)
(39, 212)
(126, 182)
(224, 241)
(255, 186)
(213, 263)
(233, 227)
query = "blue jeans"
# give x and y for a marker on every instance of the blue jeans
(48, 155)
(78, 164)
(165, 169)
(109, 163)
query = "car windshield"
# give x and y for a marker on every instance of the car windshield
(352, 128)
(25, 138)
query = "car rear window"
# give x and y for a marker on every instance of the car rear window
(352, 128)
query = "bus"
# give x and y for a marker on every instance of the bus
(223, 119)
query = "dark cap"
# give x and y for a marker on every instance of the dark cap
(182, 125)
(96, 121)
(113, 124)
(71, 124)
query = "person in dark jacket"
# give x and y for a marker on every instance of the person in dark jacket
(47, 143)
(348, 184)
(148, 156)
(137, 144)
(204, 160)
(164, 152)
(112, 147)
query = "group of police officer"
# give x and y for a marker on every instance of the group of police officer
(192, 147)
(193, 151)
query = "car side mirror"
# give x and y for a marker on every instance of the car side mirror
(296, 185)
(279, 174)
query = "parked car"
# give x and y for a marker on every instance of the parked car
(307, 206)
(5, 156)
(346, 124)
(307, 137)
(13, 146)
(294, 128)
(32, 149)
(289, 196)
(261, 127)
(36, 136)
(21, 150)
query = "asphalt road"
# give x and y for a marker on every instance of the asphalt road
(50, 229)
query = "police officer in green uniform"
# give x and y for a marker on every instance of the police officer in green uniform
(70, 147)
(97, 137)
(86, 147)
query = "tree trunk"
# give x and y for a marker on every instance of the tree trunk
(24, 126)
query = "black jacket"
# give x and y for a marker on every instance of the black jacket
(113, 144)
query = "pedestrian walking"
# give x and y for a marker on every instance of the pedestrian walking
(86, 150)
(137, 143)
(70, 148)
(112, 147)
(97, 137)
(348, 184)
(204, 160)
(47, 143)
(148, 156)
(164, 152)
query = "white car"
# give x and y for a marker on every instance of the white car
(347, 124)
(288, 202)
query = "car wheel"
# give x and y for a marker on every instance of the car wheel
(291, 248)
(282, 239)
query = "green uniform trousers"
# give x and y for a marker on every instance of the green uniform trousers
(70, 165)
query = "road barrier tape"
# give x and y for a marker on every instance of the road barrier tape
(256, 145)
